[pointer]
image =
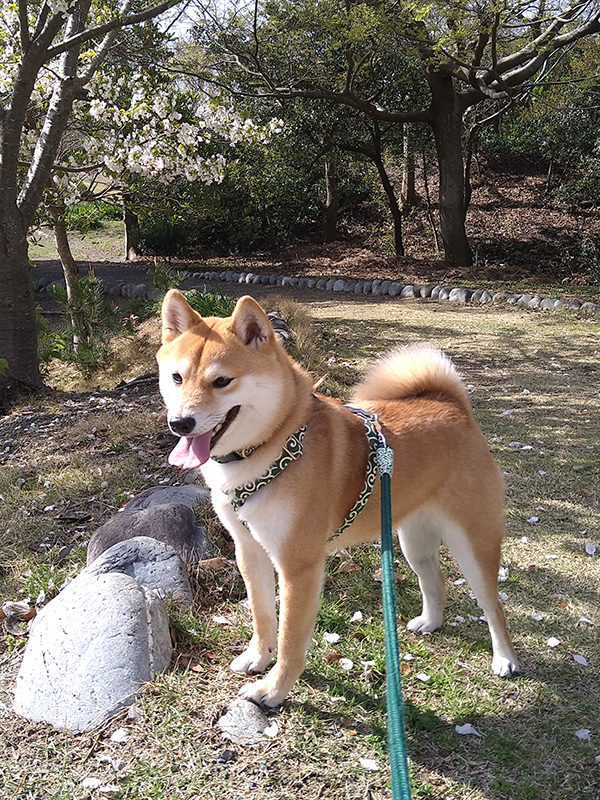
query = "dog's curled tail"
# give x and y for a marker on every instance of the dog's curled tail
(413, 371)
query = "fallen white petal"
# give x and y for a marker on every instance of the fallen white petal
(423, 676)
(525, 539)
(134, 713)
(218, 620)
(271, 730)
(467, 729)
(581, 660)
(551, 556)
(503, 597)
(590, 548)
(542, 472)
(346, 663)
(459, 582)
(356, 617)
(368, 663)
(369, 764)
(407, 657)
(91, 783)
(503, 574)
(583, 734)
(121, 735)
(108, 788)
(533, 520)
(537, 617)
(337, 699)
(332, 638)
(585, 621)
(553, 642)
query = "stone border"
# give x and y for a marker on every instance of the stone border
(376, 287)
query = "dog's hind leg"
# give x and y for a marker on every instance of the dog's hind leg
(479, 561)
(258, 573)
(420, 542)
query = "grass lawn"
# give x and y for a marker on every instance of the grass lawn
(73, 459)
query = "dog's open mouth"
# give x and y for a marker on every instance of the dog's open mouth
(193, 451)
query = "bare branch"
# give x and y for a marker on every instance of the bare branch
(114, 24)
(105, 46)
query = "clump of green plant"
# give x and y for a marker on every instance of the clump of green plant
(211, 304)
(164, 277)
(83, 339)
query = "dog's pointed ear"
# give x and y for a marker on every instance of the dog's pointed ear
(177, 315)
(250, 323)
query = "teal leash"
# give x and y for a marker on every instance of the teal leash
(395, 712)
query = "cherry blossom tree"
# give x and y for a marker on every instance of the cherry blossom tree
(120, 135)
(67, 40)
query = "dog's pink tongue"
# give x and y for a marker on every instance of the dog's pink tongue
(191, 451)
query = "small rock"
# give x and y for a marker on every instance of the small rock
(244, 723)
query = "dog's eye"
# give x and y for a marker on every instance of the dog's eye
(177, 378)
(221, 383)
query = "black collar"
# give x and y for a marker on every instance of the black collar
(236, 455)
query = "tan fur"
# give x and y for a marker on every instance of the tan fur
(445, 486)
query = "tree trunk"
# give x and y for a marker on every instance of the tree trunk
(18, 333)
(70, 270)
(395, 209)
(132, 229)
(331, 206)
(447, 131)
(69, 265)
(408, 192)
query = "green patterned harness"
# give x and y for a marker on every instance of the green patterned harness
(293, 450)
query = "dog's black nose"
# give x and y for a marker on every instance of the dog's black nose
(182, 426)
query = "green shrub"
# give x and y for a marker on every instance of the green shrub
(167, 237)
(85, 216)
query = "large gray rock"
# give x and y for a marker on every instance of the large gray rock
(173, 525)
(154, 565)
(90, 650)
(190, 495)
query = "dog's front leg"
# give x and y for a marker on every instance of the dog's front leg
(258, 573)
(300, 594)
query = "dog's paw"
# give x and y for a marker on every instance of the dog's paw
(263, 692)
(251, 662)
(423, 624)
(504, 667)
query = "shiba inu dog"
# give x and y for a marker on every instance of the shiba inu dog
(286, 468)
